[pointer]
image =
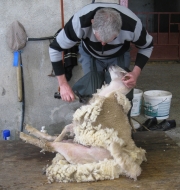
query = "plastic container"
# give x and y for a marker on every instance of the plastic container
(6, 134)
(157, 104)
(137, 102)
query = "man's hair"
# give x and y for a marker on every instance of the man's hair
(107, 23)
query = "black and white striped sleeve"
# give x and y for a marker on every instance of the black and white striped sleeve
(66, 39)
(144, 42)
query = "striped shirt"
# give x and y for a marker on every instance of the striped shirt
(79, 28)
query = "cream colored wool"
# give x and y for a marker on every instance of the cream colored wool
(103, 123)
(62, 171)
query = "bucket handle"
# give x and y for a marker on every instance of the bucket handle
(156, 104)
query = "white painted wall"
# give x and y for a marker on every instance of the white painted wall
(40, 18)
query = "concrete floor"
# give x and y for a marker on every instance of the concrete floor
(163, 76)
(22, 166)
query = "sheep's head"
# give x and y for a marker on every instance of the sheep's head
(116, 72)
(116, 83)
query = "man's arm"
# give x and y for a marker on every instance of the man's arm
(58, 67)
(144, 42)
(64, 40)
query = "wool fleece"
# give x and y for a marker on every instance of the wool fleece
(100, 146)
(103, 123)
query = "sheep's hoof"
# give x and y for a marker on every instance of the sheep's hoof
(30, 129)
(42, 143)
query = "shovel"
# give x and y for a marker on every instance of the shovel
(16, 40)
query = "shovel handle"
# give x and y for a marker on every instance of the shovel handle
(19, 82)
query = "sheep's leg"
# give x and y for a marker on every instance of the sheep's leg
(45, 145)
(79, 154)
(67, 129)
(72, 152)
(39, 134)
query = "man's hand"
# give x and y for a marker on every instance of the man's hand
(130, 78)
(65, 90)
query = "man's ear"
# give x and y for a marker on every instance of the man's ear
(92, 20)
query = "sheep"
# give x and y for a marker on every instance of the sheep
(97, 145)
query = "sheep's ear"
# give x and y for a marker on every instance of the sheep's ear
(123, 72)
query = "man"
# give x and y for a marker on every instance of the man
(105, 31)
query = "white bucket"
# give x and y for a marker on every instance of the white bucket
(137, 101)
(157, 104)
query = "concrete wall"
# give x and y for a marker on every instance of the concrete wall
(40, 18)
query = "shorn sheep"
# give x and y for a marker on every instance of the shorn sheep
(97, 145)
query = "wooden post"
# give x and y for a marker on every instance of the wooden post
(62, 13)
(62, 23)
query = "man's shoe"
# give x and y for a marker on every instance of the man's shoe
(149, 123)
(165, 125)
